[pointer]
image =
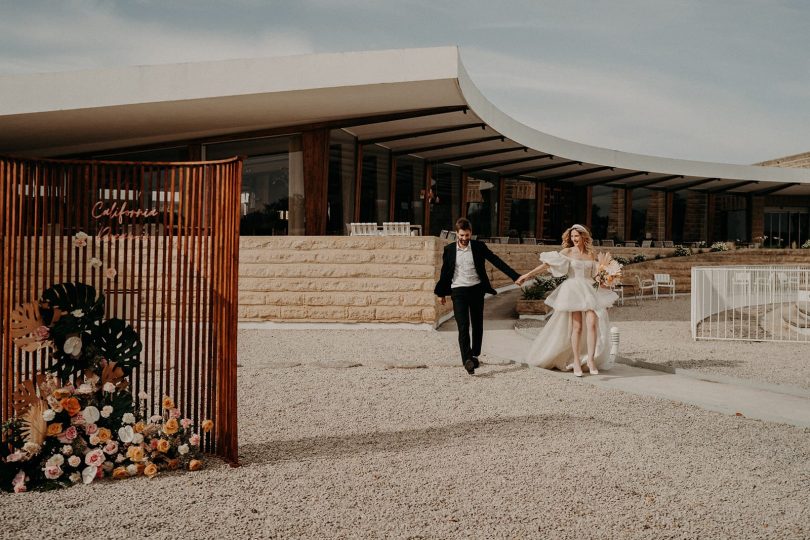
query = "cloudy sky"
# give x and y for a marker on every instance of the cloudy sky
(714, 80)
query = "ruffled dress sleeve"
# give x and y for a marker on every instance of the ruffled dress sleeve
(557, 262)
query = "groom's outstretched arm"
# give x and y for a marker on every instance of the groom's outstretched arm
(499, 264)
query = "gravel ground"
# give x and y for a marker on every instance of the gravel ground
(332, 451)
(658, 332)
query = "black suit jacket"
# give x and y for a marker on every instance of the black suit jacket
(480, 253)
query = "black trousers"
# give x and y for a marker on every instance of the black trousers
(468, 309)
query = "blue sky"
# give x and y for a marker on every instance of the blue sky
(713, 80)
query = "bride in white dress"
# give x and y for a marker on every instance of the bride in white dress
(575, 302)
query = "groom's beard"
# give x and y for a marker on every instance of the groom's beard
(463, 243)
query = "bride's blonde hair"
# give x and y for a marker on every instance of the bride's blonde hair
(587, 240)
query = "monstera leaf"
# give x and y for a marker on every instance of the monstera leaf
(116, 341)
(24, 396)
(74, 298)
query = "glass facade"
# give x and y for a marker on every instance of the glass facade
(409, 203)
(375, 191)
(786, 227)
(341, 189)
(482, 204)
(520, 207)
(601, 205)
(638, 226)
(444, 197)
(266, 184)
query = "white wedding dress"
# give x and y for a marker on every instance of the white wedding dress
(552, 348)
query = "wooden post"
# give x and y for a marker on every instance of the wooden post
(393, 196)
(316, 180)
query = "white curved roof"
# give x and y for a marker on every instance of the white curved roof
(413, 101)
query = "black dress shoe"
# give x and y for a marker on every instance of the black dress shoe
(469, 365)
(476, 364)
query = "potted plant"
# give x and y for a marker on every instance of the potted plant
(532, 304)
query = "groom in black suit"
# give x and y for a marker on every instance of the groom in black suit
(465, 279)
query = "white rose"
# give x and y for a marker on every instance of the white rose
(74, 461)
(31, 448)
(76, 478)
(143, 396)
(128, 418)
(55, 460)
(77, 313)
(120, 458)
(108, 466)
(85, 388)
(183, 449)
(132, 470)
(109, 387)
(89, 474)
(73, 346)
(48, 415)
(125, 434)
(106, 411)
(95, 262)
(81, 235)
(137, 438)
(67, 450)
(91, 414)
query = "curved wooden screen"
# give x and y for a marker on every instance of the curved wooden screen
(170, 232)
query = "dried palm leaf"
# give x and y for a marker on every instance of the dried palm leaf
(24, 396)
(26, 319)
(47, 384)
(114, 374)
(34, 426)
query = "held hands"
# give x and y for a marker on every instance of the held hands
(522, 279)
(442, 300)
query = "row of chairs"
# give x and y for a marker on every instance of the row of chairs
(389, 228)
(633, 243)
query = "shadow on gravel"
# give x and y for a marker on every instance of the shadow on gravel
(402, 441)
(504, 370)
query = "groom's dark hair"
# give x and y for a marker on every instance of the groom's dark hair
(463, 224)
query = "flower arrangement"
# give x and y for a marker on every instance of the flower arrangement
(681, 251)
(608, 271)
(806, 244)
(719, 246)
(79, 422)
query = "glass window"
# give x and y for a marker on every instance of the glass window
(266, 184)
(679, 218)
(376, 188)
(482, 204)
(445, 198)
(638, 225)
(602, 201)
(520, 207)
(408, 204)
(340, 195)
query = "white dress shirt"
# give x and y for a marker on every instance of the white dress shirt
(464, 275)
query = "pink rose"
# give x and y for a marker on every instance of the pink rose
(154, 444)
(53, 472)
(174, 413)
(15, 456)
(90, 429)
(42, 333)
(20, 478)
(94, 458)
(194, 440)
(186, 423)
(20, 488)
(68, 435)
(111, 448)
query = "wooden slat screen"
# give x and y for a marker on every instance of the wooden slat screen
(171, 233)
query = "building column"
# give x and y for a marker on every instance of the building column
(316, 181)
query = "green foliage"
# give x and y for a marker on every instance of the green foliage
(681, 251)
(541, 287)
(116, 341)
(639, 257)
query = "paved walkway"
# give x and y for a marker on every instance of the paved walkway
(769, 402)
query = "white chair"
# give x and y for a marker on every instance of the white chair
(608, 243)
(444, 233)
(645, 285)
(664, 281)
(530, 241)
(741, 280)
(451, 236)
(396, 228)
(669, 244)
(646, 243)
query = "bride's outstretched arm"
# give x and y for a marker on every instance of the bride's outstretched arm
(531, 273)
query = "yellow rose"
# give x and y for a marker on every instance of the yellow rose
(150, 470)
(138, 427)
(168, 403)
(207, 425)
(55, 404)
(104, 434)
(54, 429)
(171, 426)
(120, 472)
(195, 465)
(135, 453)
(163, 445)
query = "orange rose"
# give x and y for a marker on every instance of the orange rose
(207, 425)
(135, 453)
(120, 472)
(140, 467)
(61, 393)
(71, 405)
(54, 429)
(150, 470)
(138, 427)
(168, 403)
(104, 434)
(172, 464)
(171, 426)
(195, 465)
(163, 445)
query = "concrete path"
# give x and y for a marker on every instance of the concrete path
(502, 344)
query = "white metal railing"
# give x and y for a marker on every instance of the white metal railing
(752, 303)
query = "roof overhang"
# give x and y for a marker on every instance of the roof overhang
(414, 101)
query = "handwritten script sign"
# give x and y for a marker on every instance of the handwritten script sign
(107, 214)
